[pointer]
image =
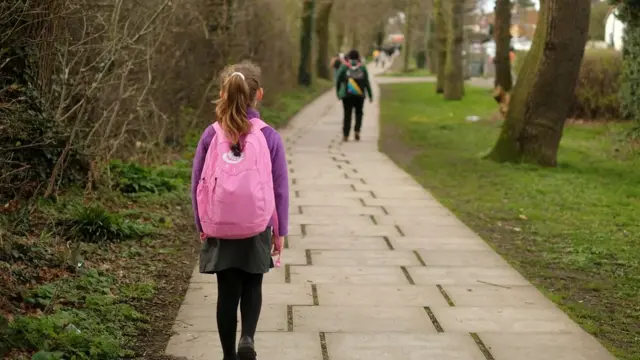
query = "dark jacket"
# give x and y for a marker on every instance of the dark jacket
(341, 80)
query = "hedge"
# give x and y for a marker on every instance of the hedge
(597, 95)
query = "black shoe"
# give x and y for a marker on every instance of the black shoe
(246, 349)
(357, 136)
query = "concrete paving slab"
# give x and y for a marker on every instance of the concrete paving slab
(346, 210)
(503, 276)
(364, 258)
(417, 211)
(379, 295)
(202, 318)
(504, 320)
(330, 219)
(408, 203)
(402, 346)
(335, 319)
(287, 294)
(347, 275)
(269, 346)
(438, 244)
(435, 231)
(483, 295)
(329, 242)
(426, 221)
(351, 230)
(575, 346)
(317, 194)
(327, 201)
(481, 258)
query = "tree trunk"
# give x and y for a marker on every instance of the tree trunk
(543, 94)
(440, 42)
(502, 37)
(380, 35)
(340, 34)
(306, 43)
(427, 40)
(408, 32)
(355, 37)
(453, 70)
(322, 34)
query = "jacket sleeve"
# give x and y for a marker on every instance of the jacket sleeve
(280, 174)
(196, 171)
(368, 84)
(340, 77)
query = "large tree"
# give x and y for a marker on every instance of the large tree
(408, 35)
(502, 37)
(454, 69)
(543, 94)
(441, 42)
(322, 36)
(306, 43)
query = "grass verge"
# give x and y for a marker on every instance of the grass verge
(413, 72)
(574, 231)
(97, 277)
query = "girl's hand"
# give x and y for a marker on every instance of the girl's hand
(274, 250)
(203, 237)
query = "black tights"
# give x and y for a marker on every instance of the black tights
(237, 286)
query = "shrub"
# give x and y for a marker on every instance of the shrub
(597, 94)
(598, 87)
(96, 224)
(89, 321)
(131, 178)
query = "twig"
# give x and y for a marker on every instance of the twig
(492, 284)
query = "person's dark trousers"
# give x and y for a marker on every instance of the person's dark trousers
(351, 103)
(237, 287)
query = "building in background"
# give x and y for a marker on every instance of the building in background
(614, 30)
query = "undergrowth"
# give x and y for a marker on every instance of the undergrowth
(74, 269)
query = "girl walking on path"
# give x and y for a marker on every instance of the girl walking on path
(240, 196)
(352, 81)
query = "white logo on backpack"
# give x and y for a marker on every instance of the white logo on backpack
(231, 158)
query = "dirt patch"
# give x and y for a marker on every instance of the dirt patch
(172, 281)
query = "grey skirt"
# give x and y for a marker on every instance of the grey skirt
(252, 255)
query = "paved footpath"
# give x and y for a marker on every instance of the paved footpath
(377, 269)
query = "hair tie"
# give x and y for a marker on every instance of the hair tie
(239, 74)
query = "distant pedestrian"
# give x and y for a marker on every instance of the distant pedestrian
(352, 87)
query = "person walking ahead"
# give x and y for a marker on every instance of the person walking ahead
(240, 193)
(352, 82)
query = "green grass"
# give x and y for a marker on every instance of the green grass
(413, 72)
(574, 231)
(279, 112)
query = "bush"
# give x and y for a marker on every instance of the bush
(597, 94)
(90, 320)
(96, 224)
(130, 178)
(598, 86)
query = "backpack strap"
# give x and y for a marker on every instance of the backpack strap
(258, 124)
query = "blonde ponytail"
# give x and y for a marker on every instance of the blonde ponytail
(239, 85)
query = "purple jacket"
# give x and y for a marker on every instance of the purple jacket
(278, 169)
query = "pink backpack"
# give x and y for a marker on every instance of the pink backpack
(235, 193)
